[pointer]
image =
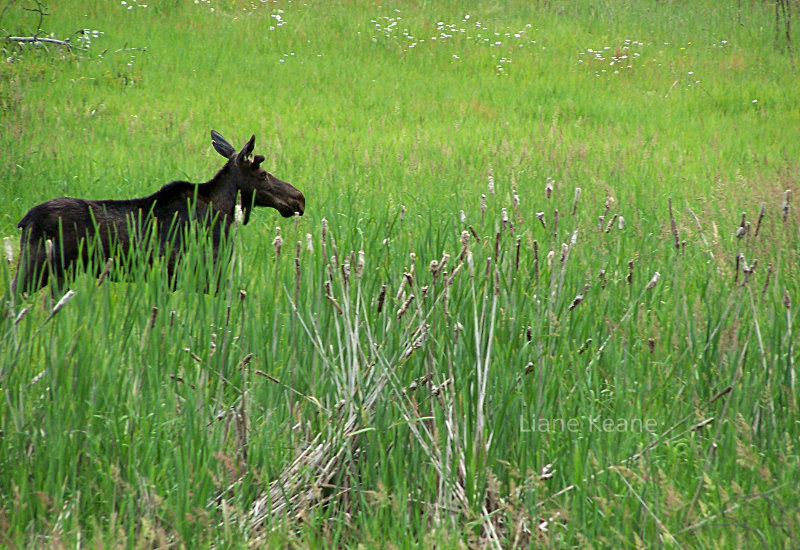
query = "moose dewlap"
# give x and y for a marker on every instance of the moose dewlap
(57, 234)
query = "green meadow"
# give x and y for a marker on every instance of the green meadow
(545, 292)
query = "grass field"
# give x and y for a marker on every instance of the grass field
(545, 292)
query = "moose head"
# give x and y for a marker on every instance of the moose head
(257, 186)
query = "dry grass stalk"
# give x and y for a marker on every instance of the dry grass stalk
(761, 215)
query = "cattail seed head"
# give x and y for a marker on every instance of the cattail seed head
(491, 184)
(462, 216)
(470, 264)
(48, 247)
(324, 228)
(238, 214)
(483, 205)
(277, 242)
(621, 223)
(23, 312)
(653, 281)
(550, 256)
(548, 188)
(360, 264)
(575, 200)
(504, 216)
(404, 307)
(402, 212)
(309, 243)
(540, 217)
(63, 301)
(787, 301)
(381, 297)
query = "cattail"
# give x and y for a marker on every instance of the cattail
(739, 259)
(360, 264)
(329, 296)
(578, 298)
(474, 234)
(381, 297)
(242, 295)
(497, 245)
(463, 216)
(106, 271)
(652, 345)
(504, 216)
(744, 219)
(607, 206)
(324, 228)
(601, 222)
(491, 184)
(483, 205)
(470, 264)
(575, 200)
(548, 188)
(786, 300)
(674, 226)
(296, 220)
(457, 329)
(309, 243)
(740, 232)
(516, 257)
(48, 248)
(63, 301)
(766, 282)
(585, 346)
(621, 223)
(404, 307)
(564, 252)
(653, 281)
(529, 367)
(540, 217)
(346, 270)
(787, 197)
(514, 199)
(630, 272)
(610, 223)
(277, 242)
(555, 223)
(424, 292)
(529, 333)
(761, 215)
(464, 243)
(213, 346)
(602, 277)
(536, 260)
(23, 312)
(8, 250)
(550, 256)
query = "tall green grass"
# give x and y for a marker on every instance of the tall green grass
(543, 387)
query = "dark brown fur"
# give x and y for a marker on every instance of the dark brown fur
(68, 223)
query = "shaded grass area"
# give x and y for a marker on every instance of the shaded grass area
(309, 410)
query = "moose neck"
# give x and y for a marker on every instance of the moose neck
(222, 191)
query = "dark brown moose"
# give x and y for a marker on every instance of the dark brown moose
(56, 234)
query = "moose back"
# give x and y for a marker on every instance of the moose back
(57, 234)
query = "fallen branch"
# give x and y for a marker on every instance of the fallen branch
(35, 39)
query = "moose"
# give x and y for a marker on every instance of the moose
(56, 235)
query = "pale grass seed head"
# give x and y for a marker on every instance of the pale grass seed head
(309, 243)
(8, 250)
(548, 188)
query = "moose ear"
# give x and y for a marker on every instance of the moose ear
(221, 145)
(257, 160)
(247, 150)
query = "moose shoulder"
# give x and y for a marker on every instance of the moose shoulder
(56, 234)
